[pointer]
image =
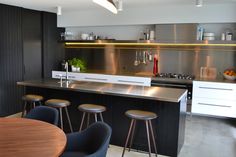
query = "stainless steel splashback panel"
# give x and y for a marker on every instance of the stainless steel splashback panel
(176, 32)
(121, 61)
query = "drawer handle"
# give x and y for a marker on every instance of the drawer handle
(213, 105)
(130, 81)
(216, 88)
(98, 79)
(71, 76)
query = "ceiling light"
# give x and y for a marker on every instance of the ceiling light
(108, 4)
(199, 3)
(59, 10)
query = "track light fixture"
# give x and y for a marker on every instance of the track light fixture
(108, 4)
(59, 10)
(199, 3)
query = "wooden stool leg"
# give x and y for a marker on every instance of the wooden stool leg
(148, 137)
(132, 135)
(127, 139)
(88, 119)
(68, 118)
(34, 104)
(24, 109)
(82, 121)
(101, 116)
(153, 138)
(96, 117)
(61, 121)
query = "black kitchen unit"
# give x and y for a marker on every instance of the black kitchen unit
(28, 50)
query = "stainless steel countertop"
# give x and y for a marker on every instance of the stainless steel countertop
(153, 93)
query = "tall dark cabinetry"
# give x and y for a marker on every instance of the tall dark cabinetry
(28, 50)
(32, 44)
(53, 52)
(11, 59)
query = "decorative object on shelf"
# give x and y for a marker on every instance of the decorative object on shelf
(108, 4)
(229, 74)
(77, 65)
(209, 36)
(200, 31)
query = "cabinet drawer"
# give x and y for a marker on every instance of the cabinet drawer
(226, 91)
(214, 107)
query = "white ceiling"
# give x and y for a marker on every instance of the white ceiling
(74, 5)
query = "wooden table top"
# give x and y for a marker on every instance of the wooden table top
(30, 138)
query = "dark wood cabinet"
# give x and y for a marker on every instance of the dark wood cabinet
(32, 44)
(11, 63)
(53, 51)
(28, 50)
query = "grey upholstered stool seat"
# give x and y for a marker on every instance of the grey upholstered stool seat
(145, 116)
(60, 104)
(91, 109)
(57, 103)
(140, 115)
(31, 99)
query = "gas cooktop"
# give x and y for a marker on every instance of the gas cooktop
(175, 76)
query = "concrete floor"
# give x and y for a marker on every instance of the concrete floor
(204, 137)
(209, 137)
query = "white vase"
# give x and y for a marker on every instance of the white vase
(75, 69)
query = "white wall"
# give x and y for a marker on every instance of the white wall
(216, 13)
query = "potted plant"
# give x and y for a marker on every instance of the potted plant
(77, 65)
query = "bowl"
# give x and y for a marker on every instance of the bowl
(229, 77)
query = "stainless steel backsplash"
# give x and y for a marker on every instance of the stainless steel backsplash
(121, 61)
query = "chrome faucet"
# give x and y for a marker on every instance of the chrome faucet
(66, 67)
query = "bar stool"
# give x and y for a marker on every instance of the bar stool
(91, 109)
(146, 117)
(60, 104)
(31, 99)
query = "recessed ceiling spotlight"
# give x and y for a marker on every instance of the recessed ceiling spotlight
(199, 3)
(119, 5)
(59, 10)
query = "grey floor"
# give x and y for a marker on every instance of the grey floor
(204, 137)
(209, 137)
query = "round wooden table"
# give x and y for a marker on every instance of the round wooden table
(30, 138)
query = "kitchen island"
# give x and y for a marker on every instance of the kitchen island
(168, 103)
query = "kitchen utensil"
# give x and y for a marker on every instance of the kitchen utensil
(144, 61)
(150, 56)
(136, 61)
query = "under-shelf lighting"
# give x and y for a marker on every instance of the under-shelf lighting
(199, 3)
(108, 4)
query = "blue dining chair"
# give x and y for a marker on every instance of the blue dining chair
(44, 113)
(91, 142)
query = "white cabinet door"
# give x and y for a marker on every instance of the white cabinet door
(214, 90)
(213, 98)
(214, 107)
